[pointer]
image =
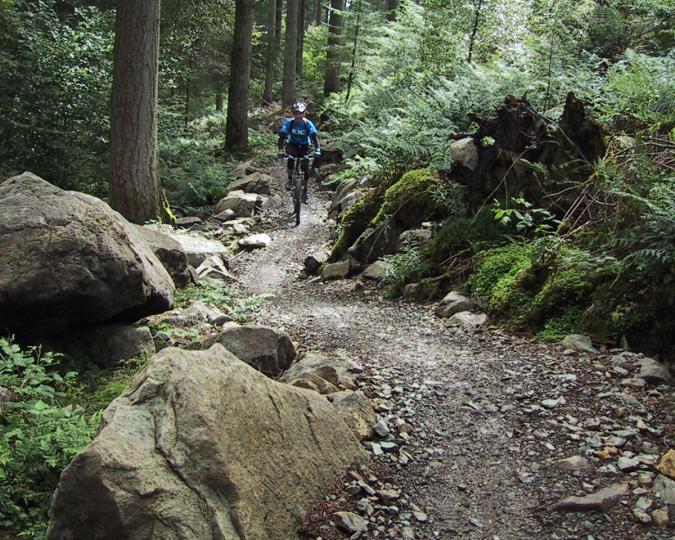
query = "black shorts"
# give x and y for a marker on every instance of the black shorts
(297, 150)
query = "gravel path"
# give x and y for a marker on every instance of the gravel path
(492, 413)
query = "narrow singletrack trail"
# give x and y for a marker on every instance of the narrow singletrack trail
(484, 449)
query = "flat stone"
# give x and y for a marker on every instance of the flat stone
(188, 221)
(336, 270)
(628, 464)
(255, 241)
(350, 522)
(376, 271)
(388, 496)
(574, 463)
(467, 320)
(199, 249)
(578, 342)
(381, 428)
(553, 403)
(661, 517)
(601, 500)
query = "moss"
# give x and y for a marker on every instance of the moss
(459, 234)
(557, 328)
(505, 279)
(411, 198)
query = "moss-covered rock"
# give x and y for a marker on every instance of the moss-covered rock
(355, 220)
(411, 199)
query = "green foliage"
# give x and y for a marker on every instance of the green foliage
(640, 93)
(220, 296)
(404, 267)
(41, 433)
(525, 217)
(54, 93)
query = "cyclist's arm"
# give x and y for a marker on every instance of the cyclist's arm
(314, 136)
(283, 133)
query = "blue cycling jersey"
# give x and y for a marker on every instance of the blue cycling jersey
(298, 131)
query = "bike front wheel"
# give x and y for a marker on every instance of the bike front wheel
(297, 198)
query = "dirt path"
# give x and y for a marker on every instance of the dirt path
(492, 413)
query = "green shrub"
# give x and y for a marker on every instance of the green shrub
(404, 267)
(41, 432)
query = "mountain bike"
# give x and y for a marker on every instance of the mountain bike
(296, 182)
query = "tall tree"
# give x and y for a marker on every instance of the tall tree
(332, 80)
(301, 37)
(478, 4)
(318, 15)
(134, 180)
(272, 49)
(390, 6)
(290, 52)
(236, 130)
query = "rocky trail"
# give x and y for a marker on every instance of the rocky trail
(483, 434)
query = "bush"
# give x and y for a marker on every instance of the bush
(41, 433)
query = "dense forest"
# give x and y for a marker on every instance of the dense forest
(534, 139)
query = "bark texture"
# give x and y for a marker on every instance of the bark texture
(134, 180)
(332, 80)
(290, 58)
(236, 131)
(272, 49)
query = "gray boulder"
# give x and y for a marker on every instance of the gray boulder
(415, 236)
(315, 260)
(465, 152)
(356, 411)
(68, 259)
(109, 345)
(334, 368)
(198, 249)
(467, 320)
(580, 343)
(255, 241)
(337, 270)
(170, 254)
(242, 204)
(266, 349)
(253, 183)
(376, 241)
(453, 303)
(654, 372)
(376, 271)
(214, 270)
(196, 446)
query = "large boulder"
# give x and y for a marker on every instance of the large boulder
(170, 254)
(376, 241)
(69, 259)
(109, 345)
(198, 249)
(253, 183)
(203, 446)
(266, 349)
(242, 204)
(335, 368)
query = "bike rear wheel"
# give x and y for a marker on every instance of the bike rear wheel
(297, 197)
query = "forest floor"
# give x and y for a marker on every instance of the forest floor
(492, 413)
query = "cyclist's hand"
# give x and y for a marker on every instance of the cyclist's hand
(317, 153)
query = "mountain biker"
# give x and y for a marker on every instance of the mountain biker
(296, 133)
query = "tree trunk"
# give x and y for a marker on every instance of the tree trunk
(219, 102)
(236, 129)
(332, 80)
(134, 180)
(272, 48)
(318, 7)
(352, 69)
(301, 37)
(391, 6)
(290, 53)
(474, 30)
